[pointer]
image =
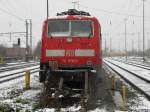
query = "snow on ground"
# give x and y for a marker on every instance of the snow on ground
(18, 62)
(137, 70)
(137, 102)
(134, 59)
(98, 110)
(19, 84)
(13, 93)
(146, 104)
(69, 109)
(12, 63)
(46, 110)
(15, 65)
(18, 70)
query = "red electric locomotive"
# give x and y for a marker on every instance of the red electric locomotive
(71, 45)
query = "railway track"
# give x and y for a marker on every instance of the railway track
(144, 66)
(12, 76)
(16, 66)
(137, 80)
(134, 71)
(13, 64)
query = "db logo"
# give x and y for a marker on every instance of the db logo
(69, 53)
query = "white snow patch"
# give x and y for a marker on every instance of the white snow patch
(46, 110)
(146, 104)
(30, 94)
(98, 110)
(71, 109)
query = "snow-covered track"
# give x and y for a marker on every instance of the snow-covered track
(144, 66)
(17, 63)
(135, 79)
(145, 77)
(141, 65)
(12, 76)
(17, 66)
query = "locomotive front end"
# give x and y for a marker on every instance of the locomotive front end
(71, 45)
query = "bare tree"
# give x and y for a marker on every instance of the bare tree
(2, 51)
(37, 51)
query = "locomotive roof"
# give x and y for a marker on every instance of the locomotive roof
(67, 16)
(73, 17)
(72, 13)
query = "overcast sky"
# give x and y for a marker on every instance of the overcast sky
(111, 14)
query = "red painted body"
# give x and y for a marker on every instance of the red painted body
(78, 43)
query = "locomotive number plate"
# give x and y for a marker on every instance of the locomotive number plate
(69, 53)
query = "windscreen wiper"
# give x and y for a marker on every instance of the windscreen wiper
(90, 35)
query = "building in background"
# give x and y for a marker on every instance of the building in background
(15, 51)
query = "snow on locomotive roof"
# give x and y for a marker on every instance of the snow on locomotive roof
(72, 12)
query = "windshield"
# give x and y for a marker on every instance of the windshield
(81, 28)
(73, 28)
(58, 28)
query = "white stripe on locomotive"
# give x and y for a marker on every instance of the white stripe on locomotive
(79, 52)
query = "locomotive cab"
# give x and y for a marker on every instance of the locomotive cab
(71, 43)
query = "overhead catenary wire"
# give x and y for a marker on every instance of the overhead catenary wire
(10, 9)
(123, 16)
(10, 6)
(9, 13)
(6, 5)
(112, 12)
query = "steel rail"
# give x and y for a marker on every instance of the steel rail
(135, 64)
(17, 67)
(130, 72)
(12, 65)
(127, 80)
(18, 76)
(16, 73)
